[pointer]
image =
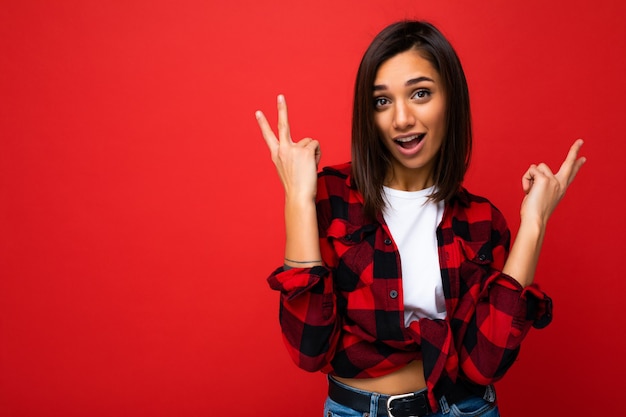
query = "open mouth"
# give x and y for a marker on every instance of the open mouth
(410, 142)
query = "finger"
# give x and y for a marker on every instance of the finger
(284, 134)
(528, 178)
(310, 144)
(318, 152)
(544, 169)
(266, 131)
(572, 163)
(534, 174)
(316, 149)
(577, 165)
(304, 142)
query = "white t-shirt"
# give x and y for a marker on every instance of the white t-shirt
(413, 221)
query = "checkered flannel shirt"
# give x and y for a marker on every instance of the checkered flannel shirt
(346, 318)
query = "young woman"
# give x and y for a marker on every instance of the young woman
(397, 282)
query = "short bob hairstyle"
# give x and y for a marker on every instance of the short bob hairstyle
(371, 161)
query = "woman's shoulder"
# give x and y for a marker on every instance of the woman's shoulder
(340, 170)
(336, 196)
(337, 179)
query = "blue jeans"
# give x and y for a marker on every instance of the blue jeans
(469, 407)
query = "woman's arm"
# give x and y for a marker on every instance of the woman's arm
(307, 302)
(296, 163)
(543, 191)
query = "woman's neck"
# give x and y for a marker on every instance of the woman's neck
(409, 180)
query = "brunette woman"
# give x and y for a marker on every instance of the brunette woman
(397, 282)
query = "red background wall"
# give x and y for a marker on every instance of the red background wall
(140, 213)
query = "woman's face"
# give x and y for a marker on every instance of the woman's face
(410, 112)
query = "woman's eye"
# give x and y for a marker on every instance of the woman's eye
(421, 94)
(380, 102)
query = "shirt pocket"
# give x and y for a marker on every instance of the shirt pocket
(476, 260)
(354, 246)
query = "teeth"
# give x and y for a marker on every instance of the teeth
(408, 138)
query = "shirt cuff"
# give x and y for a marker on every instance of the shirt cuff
(293, 281)
(535, 305)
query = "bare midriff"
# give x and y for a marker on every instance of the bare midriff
(407, 379)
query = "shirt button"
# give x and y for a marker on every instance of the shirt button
(482, 256)
(387, 241)
(393, 294)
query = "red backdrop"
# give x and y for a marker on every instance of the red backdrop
(140, 213)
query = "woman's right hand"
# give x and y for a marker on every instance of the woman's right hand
(296, 162)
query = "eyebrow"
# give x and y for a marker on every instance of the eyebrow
(410, 82)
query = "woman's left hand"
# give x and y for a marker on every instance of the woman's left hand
(544, 189)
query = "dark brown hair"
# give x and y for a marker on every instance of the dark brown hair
(371, 160)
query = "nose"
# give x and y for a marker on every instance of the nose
(403, 116)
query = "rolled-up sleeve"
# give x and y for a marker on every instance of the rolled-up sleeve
(504, 312)
(307, 314)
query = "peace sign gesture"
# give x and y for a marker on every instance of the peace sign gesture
(296, 162)
(544, 189)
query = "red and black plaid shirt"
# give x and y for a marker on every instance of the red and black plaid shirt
(346, 318)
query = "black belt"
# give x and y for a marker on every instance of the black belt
(414, 404)
(405, 405)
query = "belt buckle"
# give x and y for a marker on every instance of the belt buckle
(392, 398)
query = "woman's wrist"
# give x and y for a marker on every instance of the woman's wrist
(299, 199)
(532, 227)
(293, 263)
